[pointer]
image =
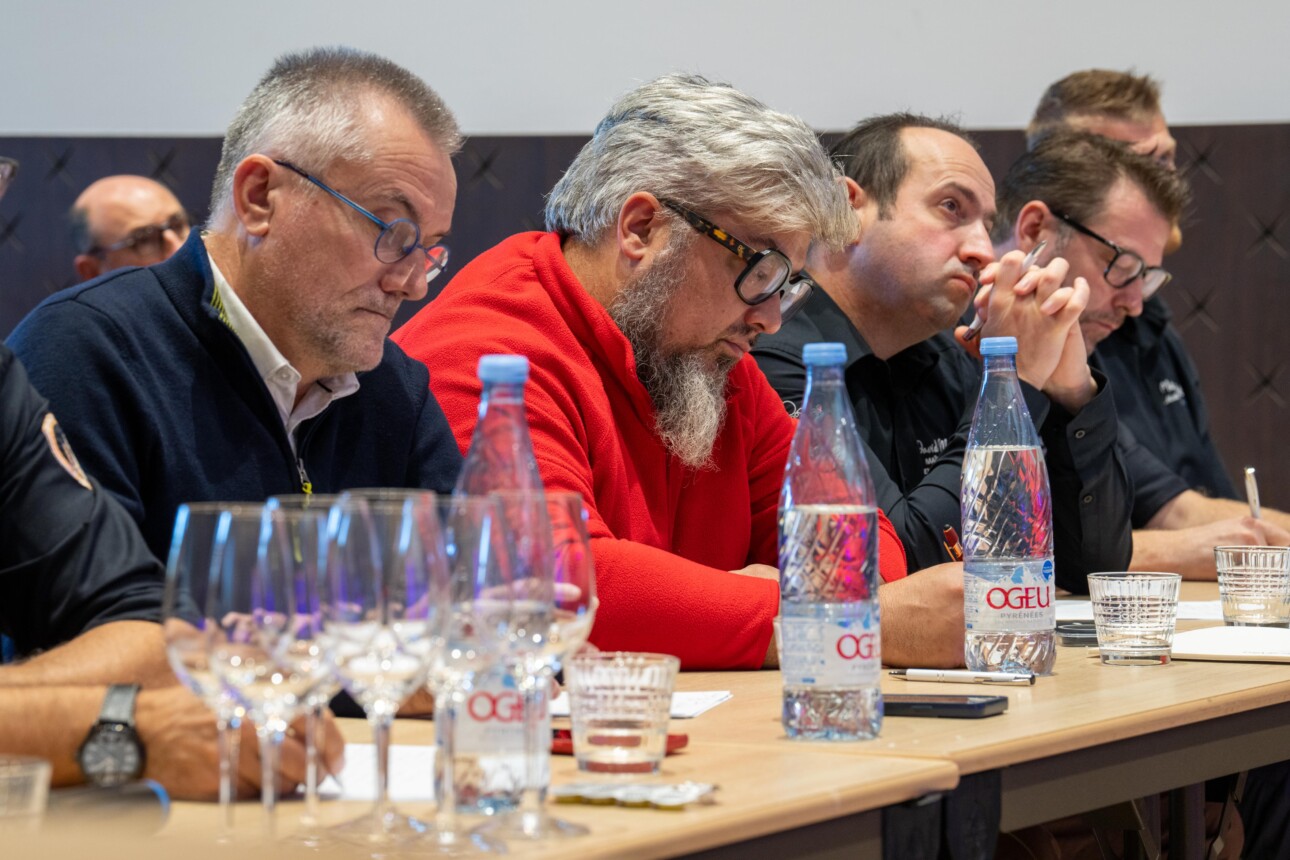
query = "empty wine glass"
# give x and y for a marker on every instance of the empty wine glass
(253, 649)
(383, 615)
(298, 536)
(188, 628)
(478, 632)
(545, 638)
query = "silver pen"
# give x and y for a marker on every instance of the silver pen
(964, 676)
(1252, 491)
(1029, 261)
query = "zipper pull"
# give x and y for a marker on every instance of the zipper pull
(305, 486)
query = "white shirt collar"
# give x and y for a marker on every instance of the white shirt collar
(279, 376)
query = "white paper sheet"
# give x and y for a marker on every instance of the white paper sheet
(684, 705)
(1188, 610)
(411, 774)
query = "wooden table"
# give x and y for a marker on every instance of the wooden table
(1088, 736)
(771, 803)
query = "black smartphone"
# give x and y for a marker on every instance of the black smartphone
(965, 707)
(1077, 633)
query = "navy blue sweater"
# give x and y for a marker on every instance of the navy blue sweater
(164, 405)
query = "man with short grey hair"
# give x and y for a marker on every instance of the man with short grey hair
(677, 237)
(125, 221)
(256, 361)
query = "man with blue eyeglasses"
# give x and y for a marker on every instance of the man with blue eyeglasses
(255, 361)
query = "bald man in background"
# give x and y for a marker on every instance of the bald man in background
(123, 221)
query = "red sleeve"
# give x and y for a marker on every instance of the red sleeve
(650, 599)
(891, 552)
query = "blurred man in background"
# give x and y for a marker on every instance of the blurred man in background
(125, 221)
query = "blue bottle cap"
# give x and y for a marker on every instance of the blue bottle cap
(824, 353)
(999, 346)
(503, 368)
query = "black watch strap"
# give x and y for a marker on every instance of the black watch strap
(118, 704)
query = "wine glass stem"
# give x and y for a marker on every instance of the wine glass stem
(230, 736)
(270, 733)
(445, 790)
(381, 723)
(537, 748)
(313, 719)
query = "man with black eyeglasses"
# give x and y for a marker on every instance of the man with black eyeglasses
(1100, 204)
(125, 221)
(676, 239)
(1157, 388)
(256, 361)
(924, 203)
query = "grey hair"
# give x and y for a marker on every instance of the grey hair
(308, 107)
(712, 148)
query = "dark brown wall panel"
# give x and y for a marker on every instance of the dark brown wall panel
(1230, 294)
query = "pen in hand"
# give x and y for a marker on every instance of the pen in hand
(978, 322)
(1252, 492)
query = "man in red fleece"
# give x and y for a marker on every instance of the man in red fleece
(637, 313)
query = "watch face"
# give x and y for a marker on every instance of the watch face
(111, 755)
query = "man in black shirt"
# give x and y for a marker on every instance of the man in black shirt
(1184, 502)
(925, 202)
(80, 596)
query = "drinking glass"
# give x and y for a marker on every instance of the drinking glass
(544, 634)
(1254, 585)
(253, 648)
(480, 559)
(384, 607)
(188, 628)
(1134, 614)
(298, 536)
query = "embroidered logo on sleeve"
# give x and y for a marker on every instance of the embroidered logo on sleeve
(931, 452)
(1171, 392)
(62, 450)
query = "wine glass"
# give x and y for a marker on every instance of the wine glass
(545, 639)
(188, 628)
(253, 643)
(479, 629)
(384, 605)
(298, 531)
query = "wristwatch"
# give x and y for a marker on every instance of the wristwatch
(112, 753)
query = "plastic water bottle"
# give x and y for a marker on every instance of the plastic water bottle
(501, 453)
(489, 765)
(829, 644)
(1007, 527)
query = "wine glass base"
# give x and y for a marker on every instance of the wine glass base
(532, 825)
(386, 834)
(459, 842)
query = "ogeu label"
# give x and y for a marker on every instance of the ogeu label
(1009, 596)
(831, 652)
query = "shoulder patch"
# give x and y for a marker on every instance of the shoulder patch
(62, 450)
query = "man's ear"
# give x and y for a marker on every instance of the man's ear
(855, 194)
(641, 230)
(87, 266)
(253, 181)
(1035, 221)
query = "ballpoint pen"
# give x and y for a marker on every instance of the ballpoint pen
(1252, 491)
(952, 545)
(1029, 261)
(964, 676)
